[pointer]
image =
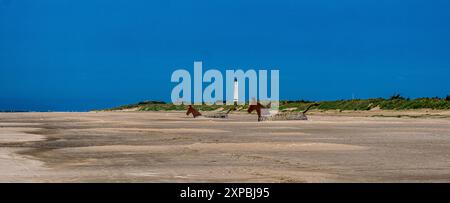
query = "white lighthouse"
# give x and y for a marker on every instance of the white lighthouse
(236, 92)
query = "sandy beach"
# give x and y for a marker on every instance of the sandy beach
(171, 147)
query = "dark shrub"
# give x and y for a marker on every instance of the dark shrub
(397, 97)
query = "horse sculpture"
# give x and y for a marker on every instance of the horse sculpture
(193, 111)
(258, 106)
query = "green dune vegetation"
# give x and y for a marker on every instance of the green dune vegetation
(395, 102)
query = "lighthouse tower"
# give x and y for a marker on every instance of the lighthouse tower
(236, 92)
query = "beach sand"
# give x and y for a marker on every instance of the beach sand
(371, 146)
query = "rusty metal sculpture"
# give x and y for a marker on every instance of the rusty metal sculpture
(193, 111)
(258, 107)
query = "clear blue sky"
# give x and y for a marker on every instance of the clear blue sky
(86, 54)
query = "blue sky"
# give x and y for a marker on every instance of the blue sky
(88, 54)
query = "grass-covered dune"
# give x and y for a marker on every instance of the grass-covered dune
(396, 102)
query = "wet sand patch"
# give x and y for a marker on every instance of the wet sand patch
(288, 133)
(159, 130)
(17, 168)
(19, 134)
(216, 147)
